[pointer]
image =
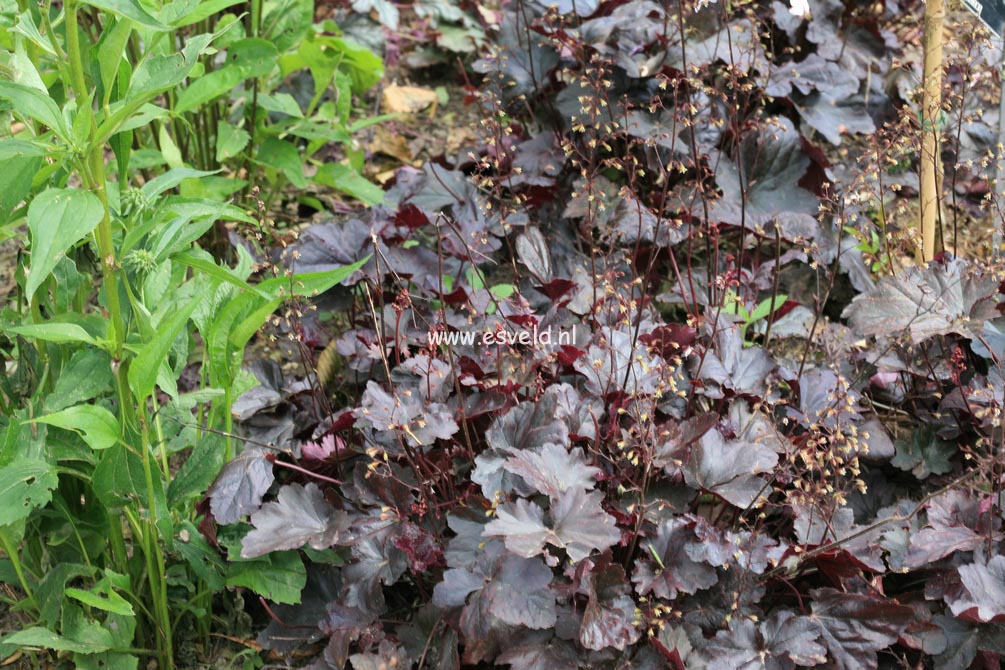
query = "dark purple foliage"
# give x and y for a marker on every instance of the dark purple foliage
(695, 477)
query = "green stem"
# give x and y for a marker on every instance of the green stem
(154, 553)
(15, 559)
(120, 556)
(162, 447)
(228, 419)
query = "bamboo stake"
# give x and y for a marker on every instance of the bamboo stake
(931, 111)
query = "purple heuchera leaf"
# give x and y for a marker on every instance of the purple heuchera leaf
(814, 528)
(854, 627)
(983, 593)
(528, 425)
(720, 547)
(327, 246)
(419, 546)
(826, 400)
(300, 515)
(938, 299)
(434, 377)
(668, 569)
(580, 525)
(812, 74)
(581, 415)
(609, 618)
(376, 562)
(781, 642)
(834, 117)
(615, 364)
(344, 624)
(772, 162)
(677, 439)
(550, 655)
(955, 523)
(421, 424)
(729, 469)
(239, 487)
(731, 366)
(519, 593)
(552, 469)
(514, 590)
(524, 427)
(521, 525)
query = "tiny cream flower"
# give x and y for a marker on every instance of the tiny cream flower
(800, 8)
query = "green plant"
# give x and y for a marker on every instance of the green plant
(872, 246)
(115, 302)
(733, 304)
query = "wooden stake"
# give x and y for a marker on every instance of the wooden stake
(931, 111)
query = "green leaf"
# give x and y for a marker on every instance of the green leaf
(365, 68)
(170, 151)
(767, 307)
(280, 103)
(110, 51)
(279, 576)
(302, 285)
(285, 157)
(246, 59)
(202, 261)
(87, 375)
(118, 478)
(56, 332)
(369, 121)
(27, 27)
(198, 472)
(203, 10)
(204, 560)
(144, 368)
(503, 291)
(42, 638)
(230, 140)
(171, 179)
(159, 73)
(129, 9)
(345, 179)
(102, 595)
(309, 284)
(21, 160)
(111, 602)
(218, 339)
(99, 427)
(25, 485)
(57, 220)
(35, 105)
(49, 592)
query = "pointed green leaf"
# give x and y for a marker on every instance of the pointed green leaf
(41, 638)
(246, 59)
(56, 332)
(129, 9)
(99, 427)
(230, 140)
(285, 157)
(57, 220)
(36, 105)
(144, 368)
(345, 179)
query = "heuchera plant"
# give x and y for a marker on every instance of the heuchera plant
(711, 474)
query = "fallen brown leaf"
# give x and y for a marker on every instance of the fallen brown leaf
(407, 99)
(391, 144)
